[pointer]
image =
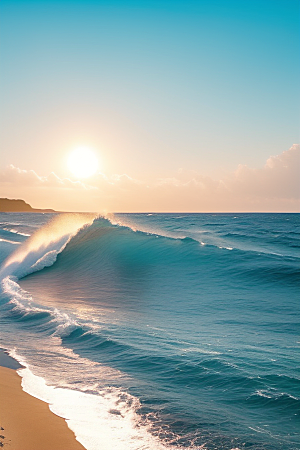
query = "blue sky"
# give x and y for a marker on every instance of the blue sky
(153, 86)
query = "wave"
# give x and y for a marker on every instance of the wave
(13, 237)
(272, 398)
(110, 420)
(12, 230)
(108, 246)
(91, 244)
(82, 234)
(39, 250)
(20, 306)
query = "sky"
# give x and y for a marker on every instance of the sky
(187, 105)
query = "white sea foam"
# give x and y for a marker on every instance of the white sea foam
(11, 288)
(46, 260)
(12, 230)
(273, 394)
(200, 350)
(23, 302)
(10, 242)
(107, 420)
(41, 249)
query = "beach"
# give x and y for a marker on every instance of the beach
(26, 422)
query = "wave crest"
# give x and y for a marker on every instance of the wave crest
(40, 250)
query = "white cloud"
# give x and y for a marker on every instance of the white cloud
(21, 177)
(273, 187)
(279, 178)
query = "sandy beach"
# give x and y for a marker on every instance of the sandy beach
(26, 422)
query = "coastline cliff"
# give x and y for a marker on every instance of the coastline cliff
(18, 205)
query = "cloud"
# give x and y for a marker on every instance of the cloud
(279, 178)
(273, 187)
(27, 178)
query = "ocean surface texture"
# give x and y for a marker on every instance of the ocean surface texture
(157, 331)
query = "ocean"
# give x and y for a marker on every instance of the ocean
(157, 331)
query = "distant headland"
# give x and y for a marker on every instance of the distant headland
(13, 205)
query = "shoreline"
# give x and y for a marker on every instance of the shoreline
(27, 422)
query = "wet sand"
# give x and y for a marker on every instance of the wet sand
(26, 422)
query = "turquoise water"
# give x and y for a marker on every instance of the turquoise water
(186, 324)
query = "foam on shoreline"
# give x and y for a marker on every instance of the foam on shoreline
(105, 420)
(27, 422)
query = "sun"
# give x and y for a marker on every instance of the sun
(83, 162)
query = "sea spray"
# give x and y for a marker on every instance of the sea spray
(41, 248)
